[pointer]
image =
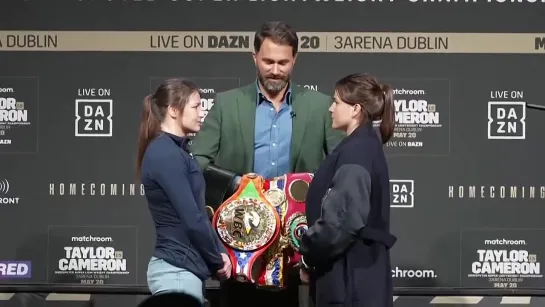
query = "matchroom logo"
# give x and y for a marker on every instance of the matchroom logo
(401, 193)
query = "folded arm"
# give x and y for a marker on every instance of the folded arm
(345, 209)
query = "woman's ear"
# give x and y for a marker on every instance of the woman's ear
(172, 112)
(356, 110)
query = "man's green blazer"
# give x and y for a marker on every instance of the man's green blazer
(226, 138)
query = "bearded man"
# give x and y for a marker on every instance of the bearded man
(270, 127)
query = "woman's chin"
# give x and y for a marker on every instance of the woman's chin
(194, 129)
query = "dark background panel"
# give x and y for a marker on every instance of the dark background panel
(66, 159)
(429, 252)
(209, 15)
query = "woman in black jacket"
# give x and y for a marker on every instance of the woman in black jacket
(345, 251)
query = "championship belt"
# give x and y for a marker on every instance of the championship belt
(287, 194)
(247, 224)
(295, 224)
(273, 274)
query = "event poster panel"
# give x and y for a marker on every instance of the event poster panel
(502, 258)
(422, 115)
(92, 255)
(19, 115)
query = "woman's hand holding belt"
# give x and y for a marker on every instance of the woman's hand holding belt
(304, 271)
(225, 272)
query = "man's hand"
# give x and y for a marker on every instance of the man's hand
(225, 272)
(304, 276)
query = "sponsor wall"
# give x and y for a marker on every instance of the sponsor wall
(467, 188)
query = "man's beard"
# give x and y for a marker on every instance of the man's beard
(273, 85)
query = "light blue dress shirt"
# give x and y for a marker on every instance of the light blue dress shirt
(272, 141)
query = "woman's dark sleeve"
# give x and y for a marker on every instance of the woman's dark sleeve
(171, 174)
(219, 244)
(345, 209)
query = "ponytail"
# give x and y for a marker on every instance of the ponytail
(388, 115)
(150, 126)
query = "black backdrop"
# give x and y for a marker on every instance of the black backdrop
(457, 188)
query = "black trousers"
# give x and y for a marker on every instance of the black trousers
(236, 294)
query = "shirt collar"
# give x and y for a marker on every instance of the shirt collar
(261, 97)
(181, 141)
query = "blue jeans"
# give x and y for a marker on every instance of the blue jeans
(164, 277)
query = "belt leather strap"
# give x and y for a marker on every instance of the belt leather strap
(218, 185)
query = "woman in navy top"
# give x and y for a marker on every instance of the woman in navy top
(346, 249)
(187, 249)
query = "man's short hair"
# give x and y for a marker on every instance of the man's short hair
(279, 32)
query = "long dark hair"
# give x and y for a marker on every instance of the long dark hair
(376, 100)
(173, 92)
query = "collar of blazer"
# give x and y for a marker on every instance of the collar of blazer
(247, 107)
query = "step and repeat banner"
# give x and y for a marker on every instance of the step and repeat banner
(468, 178)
